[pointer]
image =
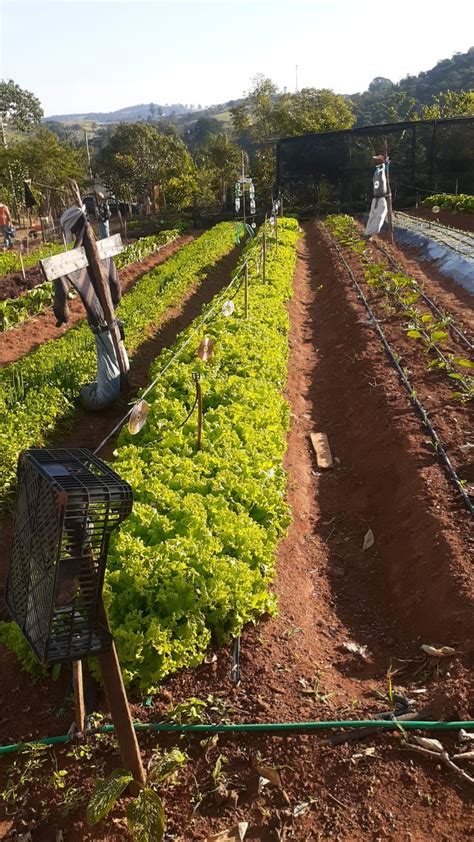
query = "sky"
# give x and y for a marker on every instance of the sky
(101, 56)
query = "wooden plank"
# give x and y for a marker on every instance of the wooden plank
(110, 246)
(323, 451)
(61, 264)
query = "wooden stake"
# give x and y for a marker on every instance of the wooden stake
(199, 408)
(79, 695)
(21, 261)
(120, 710)
(246, 291)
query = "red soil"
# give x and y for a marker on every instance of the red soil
(413, 586)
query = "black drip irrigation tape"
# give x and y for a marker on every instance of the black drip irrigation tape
(464, 239)
(409, 388)
(457, 334)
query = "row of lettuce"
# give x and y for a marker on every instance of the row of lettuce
(40, 391)
(10, 260)
(194, 561)
(462, 202)
(14, 311)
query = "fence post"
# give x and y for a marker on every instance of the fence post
(246, 290)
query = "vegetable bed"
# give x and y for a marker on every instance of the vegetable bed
(14, 311)
(40, 390)
(195, 559)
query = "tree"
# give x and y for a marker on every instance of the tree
(311, 110)
(381, 85)
(449, 104)
(41, 157)
(203, 130)
(141, 161)
(19, 109)
(262, 99)
(240, 118)
(219, 161)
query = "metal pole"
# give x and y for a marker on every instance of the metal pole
(243, 185)
(88, 156)
(246, 291)
(276, 232)
(264, 260)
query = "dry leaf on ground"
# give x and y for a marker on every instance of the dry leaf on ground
(369, 540)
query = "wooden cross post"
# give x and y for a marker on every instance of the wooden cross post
(103, 291)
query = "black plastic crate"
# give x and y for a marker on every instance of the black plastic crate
(68, 503)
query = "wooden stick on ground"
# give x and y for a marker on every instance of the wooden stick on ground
(443, 757)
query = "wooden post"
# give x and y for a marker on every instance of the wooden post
(246, 291)
(28, 226)
(119, 708)
(78, 695)
(21, 262)
(388, 197)
(103, 291)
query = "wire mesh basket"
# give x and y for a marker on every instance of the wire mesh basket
(68, 503)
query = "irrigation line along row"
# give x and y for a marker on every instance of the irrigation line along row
(426, 298)
(198, 326)
(260, 727)
(434, 348)
(416, 402)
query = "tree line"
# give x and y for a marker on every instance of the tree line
(152, 161)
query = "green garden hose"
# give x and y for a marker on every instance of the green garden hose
(261, 727)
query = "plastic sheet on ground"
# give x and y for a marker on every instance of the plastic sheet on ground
(452, 251)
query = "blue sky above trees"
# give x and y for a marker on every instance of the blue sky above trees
(100, 56)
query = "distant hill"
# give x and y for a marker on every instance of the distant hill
(150, 112)
(130, 114)
(450, 74)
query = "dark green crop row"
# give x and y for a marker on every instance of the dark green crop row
(41, 389)
(195, 559)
